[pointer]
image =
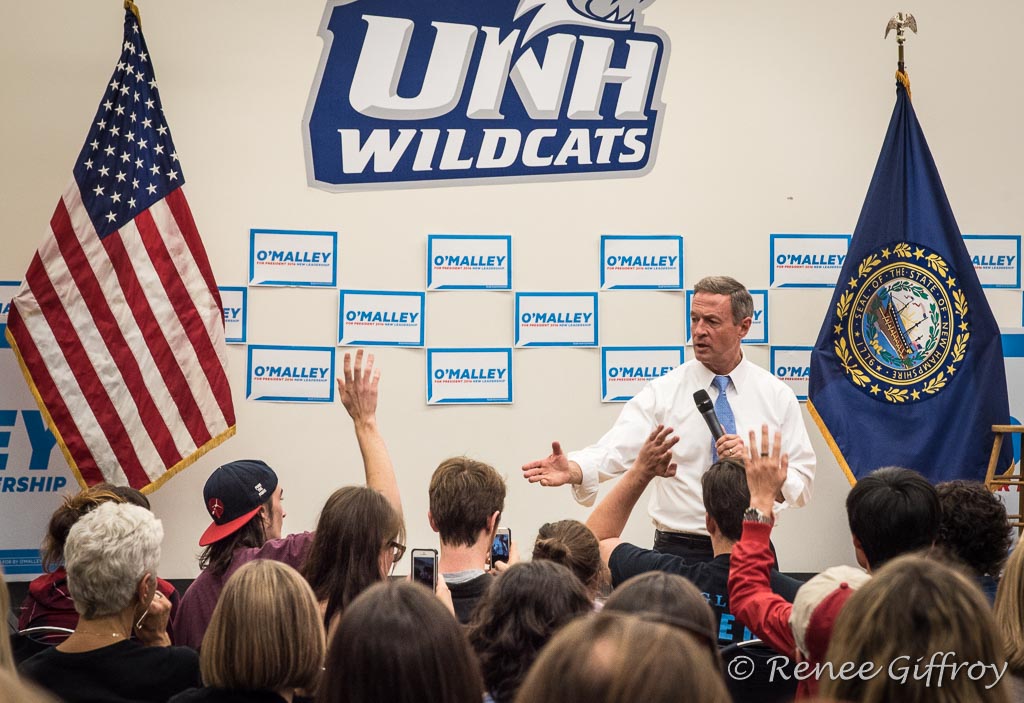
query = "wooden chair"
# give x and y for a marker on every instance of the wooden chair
(1012, 476)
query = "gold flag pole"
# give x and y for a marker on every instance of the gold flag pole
(129, 5)
(900, 22)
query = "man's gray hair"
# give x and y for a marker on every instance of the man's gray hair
(739, 296)
(107, 553)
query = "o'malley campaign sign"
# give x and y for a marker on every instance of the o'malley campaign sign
(469, 376)
(412, 92)
(807, 260)
(556, 319)
(380, 318)
(641, 261)
(626, 370)
(469, 262)
(33, 474)
(293, 258)
(290, 374)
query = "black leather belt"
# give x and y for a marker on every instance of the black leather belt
(683, 538)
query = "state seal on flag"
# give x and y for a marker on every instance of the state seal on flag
(901, 328)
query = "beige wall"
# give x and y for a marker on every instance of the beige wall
(775, 115)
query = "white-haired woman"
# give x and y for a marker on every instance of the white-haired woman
(111, 557)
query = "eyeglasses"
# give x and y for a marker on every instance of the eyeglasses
(397, 551)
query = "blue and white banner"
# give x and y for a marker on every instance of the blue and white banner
(380, 318)
(469, 262)
(807, 260)
(7, 291)
(626, 370)
(758, 333)
(556, 319)
(469, 376)
(410, 92)
(792, 366)
(642, 261)
(33, 474)
(234, 300)
(293, 258)
(996, 259)
(290, 374)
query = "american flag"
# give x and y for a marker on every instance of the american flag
(118, 325)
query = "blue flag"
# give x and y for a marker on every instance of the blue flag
(908, 366)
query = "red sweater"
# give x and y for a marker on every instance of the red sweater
(750, 594)
(752, 601)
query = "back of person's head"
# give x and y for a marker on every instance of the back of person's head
(64, 517)
(356, 526)
(107, 553)
(131, 495)
(464, 494)
(572, 544)
(893, 511)
(396, 643)
(265, 633)
(613, 658)
(1009, 611)
(913, 612)
(516, 617)
(670, 599)
(974, 528)
(726, 496)
(818, 604)
(236, 496)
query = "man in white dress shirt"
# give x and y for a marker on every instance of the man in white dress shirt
(720, 315)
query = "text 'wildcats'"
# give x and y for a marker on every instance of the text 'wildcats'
(412, 92)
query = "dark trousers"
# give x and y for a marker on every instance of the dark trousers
(691, 547)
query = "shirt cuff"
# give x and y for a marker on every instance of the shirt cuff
(756, 532)
(586, 490)
(792, 490)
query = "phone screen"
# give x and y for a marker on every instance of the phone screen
(424, 568)
(500, 548)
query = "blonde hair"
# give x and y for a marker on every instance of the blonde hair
(6, 658)
(1009, 611)
(613, 657)
(13, 690)
(912, 612)
(265, 632)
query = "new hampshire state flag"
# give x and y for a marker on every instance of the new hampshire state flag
(908, 366)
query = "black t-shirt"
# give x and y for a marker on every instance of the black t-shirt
(126, 672)
(466, 594)
(711, 577)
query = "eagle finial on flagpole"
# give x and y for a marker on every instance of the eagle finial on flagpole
(129, 5)
(900, 22)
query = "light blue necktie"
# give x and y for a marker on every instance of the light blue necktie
(723, 410)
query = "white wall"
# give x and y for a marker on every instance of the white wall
(775, 115)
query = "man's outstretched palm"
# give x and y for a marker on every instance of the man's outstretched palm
(553, 470)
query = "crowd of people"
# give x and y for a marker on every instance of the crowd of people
(934, 611)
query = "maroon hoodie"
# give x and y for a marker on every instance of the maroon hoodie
(49, 604)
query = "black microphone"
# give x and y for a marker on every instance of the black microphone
(707, 411)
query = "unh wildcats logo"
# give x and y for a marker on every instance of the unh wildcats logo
(410, 92)
(603, 14)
